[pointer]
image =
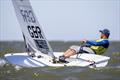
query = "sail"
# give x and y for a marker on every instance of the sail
(31, 29)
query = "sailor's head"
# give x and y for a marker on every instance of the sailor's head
(105, 33)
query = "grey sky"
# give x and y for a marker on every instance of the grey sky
(65, 19)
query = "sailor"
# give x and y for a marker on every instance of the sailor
(93, 47)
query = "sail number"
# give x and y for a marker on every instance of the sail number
(35, 32)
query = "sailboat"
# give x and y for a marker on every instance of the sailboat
(38, 50)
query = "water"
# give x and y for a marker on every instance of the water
(10, 72)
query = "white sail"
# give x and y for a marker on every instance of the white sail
(31, 29)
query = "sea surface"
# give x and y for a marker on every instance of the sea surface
(10, 72)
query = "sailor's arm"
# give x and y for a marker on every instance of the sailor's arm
(101, 43)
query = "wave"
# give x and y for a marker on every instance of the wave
(2, 62)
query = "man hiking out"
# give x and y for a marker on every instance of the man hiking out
(95, 47)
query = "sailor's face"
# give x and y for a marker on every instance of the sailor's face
(102, 35)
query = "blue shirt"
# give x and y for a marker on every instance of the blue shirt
(104, 43)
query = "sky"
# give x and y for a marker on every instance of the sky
(65, 19)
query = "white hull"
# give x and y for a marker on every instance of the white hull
(83, 60)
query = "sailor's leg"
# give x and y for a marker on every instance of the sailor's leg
(67, 51)
(70, 52)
